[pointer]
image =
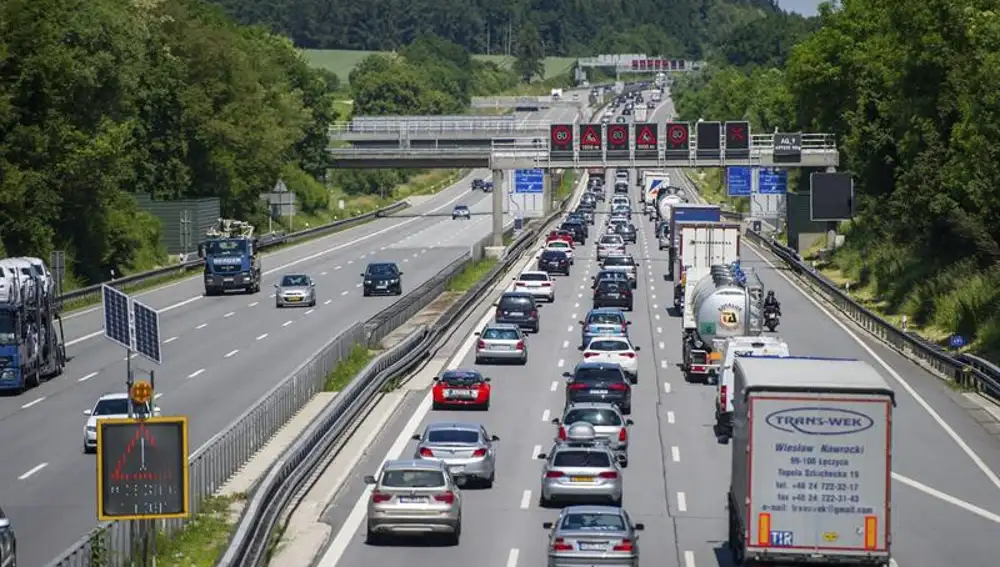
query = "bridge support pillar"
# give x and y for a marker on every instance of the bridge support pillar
(499, 193)
(548, 193)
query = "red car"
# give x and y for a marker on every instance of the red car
(560, 235)
(461, 388)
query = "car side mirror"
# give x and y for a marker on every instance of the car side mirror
(399, 274)
(555, 421)
(415, 437)
(88, 412)
(541, 456)
(276, 286)
(362, 275)
(639, 527)
(495, 304)
(567, 375)
(369, 479)
(201, 250)
(494, 438)
(629, 422)
(4, 523)
(477, 333)
(628, 322)
(436, 378)
(547, 525)
(581, 322)
(312, 284)
(636, 348)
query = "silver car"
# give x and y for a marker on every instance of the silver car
(593, 535)
(413, 498)
(295, 289)
(622, 263)
(610, 244)
(501, 342)
(609, 425)
(467, 449)
(663, 236)
(581, 468)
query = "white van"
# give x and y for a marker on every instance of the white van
(733, 347)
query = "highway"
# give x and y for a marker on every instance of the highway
(946, 496)
(220, 355)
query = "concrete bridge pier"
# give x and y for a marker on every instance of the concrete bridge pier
(499, 193)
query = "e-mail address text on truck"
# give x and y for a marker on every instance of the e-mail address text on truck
(811, 463)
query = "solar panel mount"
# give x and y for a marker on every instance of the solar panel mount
(117, 319)
(132, 324)
(147, 331)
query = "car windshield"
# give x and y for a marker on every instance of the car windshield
(225, 247)
(500, 334)
(381, 270)
(611, 239)
(412, 479)
(613, 374)
(607, 346)
(463, 436)
(593, 416)
(610, 286)
(553, 255)
(534, 277)
(581, 459)
(595, 522)
(558, 244)
(461, 208)
(464, 378)
(617, 261)
(118, 406)
(605, 319)
(294, 281)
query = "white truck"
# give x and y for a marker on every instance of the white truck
(652, 180)
(639, 114)
(556, 94)
(754, 345)
(812, 448)
(701, 245)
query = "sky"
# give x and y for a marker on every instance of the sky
(804, 7)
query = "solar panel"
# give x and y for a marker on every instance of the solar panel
(147, 331)
(116, 316)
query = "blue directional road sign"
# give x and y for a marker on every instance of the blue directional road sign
(772, 181)
(529, 181)
(956, 341)
(738, 181)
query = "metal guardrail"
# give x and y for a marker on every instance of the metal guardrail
(266, 241)
(526, 101)
(484, 126)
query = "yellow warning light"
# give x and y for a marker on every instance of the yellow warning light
(141, 392)
(715, 356)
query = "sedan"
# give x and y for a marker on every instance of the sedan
(296, 289)
(553, 262)
(465, 448)
(580, 472)
(610, 244)
(537, 283)
(461, 212)
(415, 496)
(560, 246)
(624, 263)
(616, 350)
(593, 535)
(610, 293)
(461, 388)
(599, 382)
(628, 233)
(501, 342)
(603, 322)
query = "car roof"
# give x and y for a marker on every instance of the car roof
(114, 396)
(583, 364)
(409, 464)
(379, 264)
(294, 276)
(448, 425)
(503, 326)
(606, 310)
(592, 509)
(534, 273)
(517, 294)
(592, 405)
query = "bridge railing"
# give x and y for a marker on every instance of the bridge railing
(484, 126)
(515, 101)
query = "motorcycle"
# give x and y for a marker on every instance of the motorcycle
(771, 319)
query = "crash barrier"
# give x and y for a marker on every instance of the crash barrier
(265, 241)
(221, 457)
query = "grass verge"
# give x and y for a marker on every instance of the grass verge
(343, 61)
(348, 368)
(204, 538)
(470, 275)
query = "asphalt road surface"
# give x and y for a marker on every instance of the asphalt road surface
(945, 493)
(221, 354)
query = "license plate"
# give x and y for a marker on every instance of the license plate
(501, 347)
(227, 279)
(614, 295)
(293, 299)
(515, 314)
(382, 286)
(457, 470)
(460, 393)
(581, 479)
(601, 392)
(592, 546)
(412, 500)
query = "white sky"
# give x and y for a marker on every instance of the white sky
(804, 7)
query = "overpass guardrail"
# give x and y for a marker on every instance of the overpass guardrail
(429, 127)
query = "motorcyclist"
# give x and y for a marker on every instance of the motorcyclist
(771, 303)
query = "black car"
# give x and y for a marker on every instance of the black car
(599, 382)
(613, 293)
(579, 231)
(382, 278)
(627, 232)
(518, 309)
(612, 275)
(587, 212)
(576, 216)
(554, 262)
(621, 187)
(477, 184)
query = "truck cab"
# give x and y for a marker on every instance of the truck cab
(725, 391)
(232, 258)
(31, 337)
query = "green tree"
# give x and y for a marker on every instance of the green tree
(530, 53)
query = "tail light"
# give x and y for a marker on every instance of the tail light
(498, 314)
(622, 435)
(446, 497)
(378, 497)
(546, 284)
(589, 354)
(559, 544)
(425, 452)
(625, 545)
(624, 327)
(519, 345)
(520, 283)
(723, 394)
(577, 387)
(534, 313)
(479, 453)
(608, 474)
(481, 345)
(618, 386)
(554, 474)
(562, 433)
(627, 292)
(627, 354)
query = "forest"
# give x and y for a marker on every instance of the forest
(567, 27)
(910, 89)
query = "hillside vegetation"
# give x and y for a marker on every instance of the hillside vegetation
(910, 89)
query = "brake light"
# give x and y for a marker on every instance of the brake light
(559, 544)
(534, 313)
(481, 345)
(627, 292)
(519, 345)
(380, 497)
(479, 453)
(589, 354)
(562, 433)
(546, 284)
(618, 386)
(608, 474)
(425, 452)
(723, 393)
(554, 474)
(522, 284)
(625, 545)
(623, 435)
(447, 497)
(624, 327)
(627, 354)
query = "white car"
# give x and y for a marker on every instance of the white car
(610, 244)
(619, 200)
(561, 246)
(539, 284)
(614, 350)
(110, 406)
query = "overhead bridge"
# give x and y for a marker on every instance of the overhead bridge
(430, 131)
(526, 103)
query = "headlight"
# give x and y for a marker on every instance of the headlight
(368, 282)
(7, 374)
(91, 429)
(394, 281)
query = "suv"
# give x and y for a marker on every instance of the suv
(578, 229)
(518, 309)
(599, 382)
(609, 425)
(409, 492)
(624, 263)
(382, 278)
(663, 236)
(627, 232)
(603, 322)
(610, 293)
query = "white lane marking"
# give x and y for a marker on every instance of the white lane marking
(526, 500)
(33, 403)
(582, 286)
(170, 340)
(576, 305)
(565, 344)
(657, 316)
(569, 329)
(535, 451)
(561, 363)
(310, 311)
(327, 302)
(196, 373)
(573, 317)
(652, 288)
(973, 456)
(32, 471)
(670, 417)
(655, 306)
(202, 326)
(554, 386)
(261, 337)
(87, 377)
(357, 284)
(345, 292)
(323, 273)
(337, 268)
(228, 315)
(653, 296)
(363, 255)
(287, 323)
(349, 262)
(675, 454)
(682, 502)
(406, 259)
(158, 396)
(663, 363)
(659, 329)
(546, 416)
(254, 304)
(271, 296)
(689, 559)
(947, 498)
(666, 387)
(231, 353)
(661, 345)
(512, 557)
